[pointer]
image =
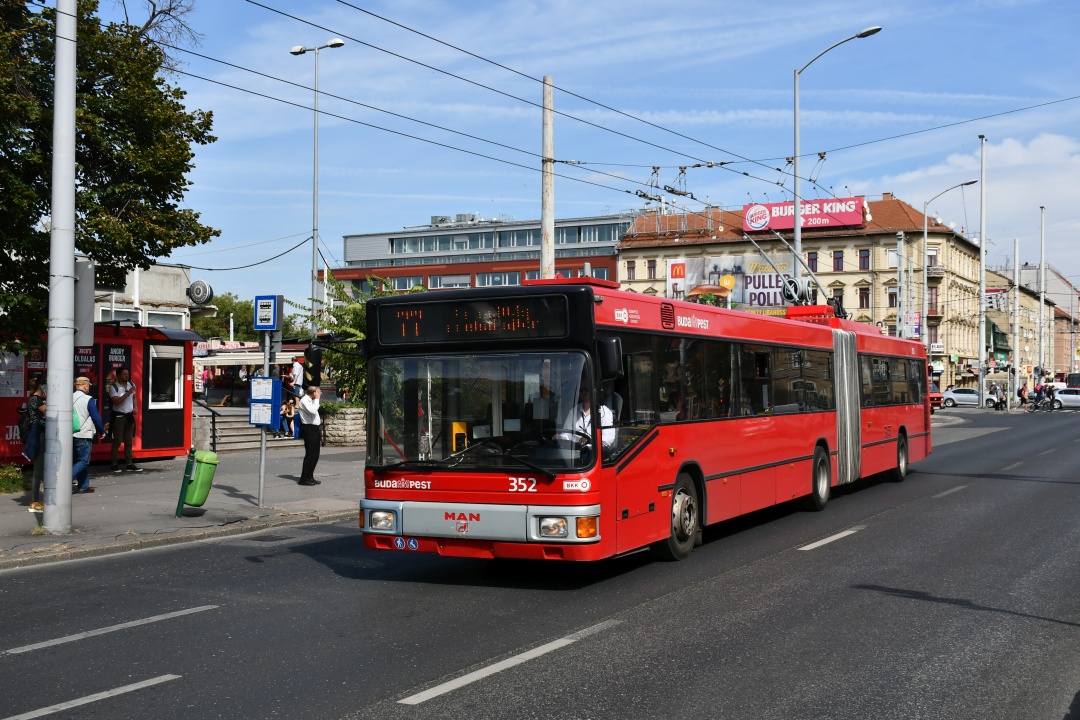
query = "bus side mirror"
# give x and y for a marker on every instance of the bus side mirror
(609, 356)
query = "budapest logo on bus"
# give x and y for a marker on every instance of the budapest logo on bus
(757, 217)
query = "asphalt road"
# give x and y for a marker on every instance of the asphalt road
(951, 595)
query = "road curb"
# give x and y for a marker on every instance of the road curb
(30, 558)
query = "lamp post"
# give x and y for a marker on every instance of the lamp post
(795, 159)
(925, 300)
(300, 50)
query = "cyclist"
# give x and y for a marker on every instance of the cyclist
(1051, 392)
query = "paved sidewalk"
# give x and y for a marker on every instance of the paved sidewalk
(135, 510)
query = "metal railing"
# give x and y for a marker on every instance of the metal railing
(213, 422)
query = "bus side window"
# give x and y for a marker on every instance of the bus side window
(755, 380)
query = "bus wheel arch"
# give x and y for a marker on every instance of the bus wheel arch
(684, 527)
(898, 473)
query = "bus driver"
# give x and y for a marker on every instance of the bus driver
(578, 425)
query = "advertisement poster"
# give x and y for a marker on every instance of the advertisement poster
(12, 376)
(821, 213)
(748, 282)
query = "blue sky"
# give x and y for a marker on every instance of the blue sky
(896, 112)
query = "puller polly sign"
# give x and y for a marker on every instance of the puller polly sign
(831, 212)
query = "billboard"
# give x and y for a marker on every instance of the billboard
(825, 213)
(746, 282)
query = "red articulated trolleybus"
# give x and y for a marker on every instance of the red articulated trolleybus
(570, 420)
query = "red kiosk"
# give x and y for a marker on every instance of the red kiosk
(160, 363)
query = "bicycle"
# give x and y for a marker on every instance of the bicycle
(1044, 404)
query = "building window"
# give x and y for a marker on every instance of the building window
(893, 258)
(838, 260)
(813, 296)
(441, 282)
(403, 284)
(600, 273)
(631, 270)
(894, 297)
(932, 333)
(931, 257)
(650, 267)
(165, 376)
(838, 296)
(931, 301)
(892, 330)
(811, 261)
(864, 298)
(864, 259)
(120, 315)
(174, 321)
(497, 279)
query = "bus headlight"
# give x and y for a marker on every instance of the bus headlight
(553, 527)
(381, 520)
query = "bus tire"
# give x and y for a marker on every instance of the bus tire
(820, 481)
(685, 521)
(898, 473)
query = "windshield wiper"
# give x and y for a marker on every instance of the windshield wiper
(417, 464)
(549, 474)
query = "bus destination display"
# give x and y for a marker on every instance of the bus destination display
(435, 322)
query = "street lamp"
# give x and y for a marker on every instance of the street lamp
(300, 50)
(925, 301)
(798, 198)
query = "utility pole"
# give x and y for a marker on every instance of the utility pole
(547, 188)
(61, 355)
(982, 273)
(901, 291)
(1015, 321)
(1042, 286)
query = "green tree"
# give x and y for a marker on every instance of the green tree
(134, 141)
(348, 325)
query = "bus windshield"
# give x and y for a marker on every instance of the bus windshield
(483, 412)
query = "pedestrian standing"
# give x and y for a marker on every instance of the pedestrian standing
(85, 409)
(122, 422)
(310, 432)
(296, 376)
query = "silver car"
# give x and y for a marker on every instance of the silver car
(1067, 398)
(964, 396)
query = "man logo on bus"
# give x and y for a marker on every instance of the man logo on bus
(757, 217)
(622, 315)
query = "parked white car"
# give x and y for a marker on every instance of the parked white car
(964, 396)
(1067, 398)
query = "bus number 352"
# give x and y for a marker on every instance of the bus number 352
(519, 484)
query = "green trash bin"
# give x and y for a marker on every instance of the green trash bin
(202, 478)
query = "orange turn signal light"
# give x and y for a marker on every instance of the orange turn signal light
(586, 527)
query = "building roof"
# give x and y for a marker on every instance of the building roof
(888, 216)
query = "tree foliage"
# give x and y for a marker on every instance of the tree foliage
(348, 325)
(134, 142)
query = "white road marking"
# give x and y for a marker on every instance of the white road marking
(102, 631)
(1047, 452)
(829, 539)
(93, 698)
(955, 489)
(505, 664)
(1010, 467)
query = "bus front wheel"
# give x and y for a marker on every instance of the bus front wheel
(685, 521)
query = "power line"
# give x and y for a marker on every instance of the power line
(244, 267)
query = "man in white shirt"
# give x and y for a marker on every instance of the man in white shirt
(578, 425)
(122, 420)
(310, 433)
(297, 377)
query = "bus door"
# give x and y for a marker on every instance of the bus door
(633, 467)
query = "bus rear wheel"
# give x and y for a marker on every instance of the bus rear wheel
(685, 521)
(820, 481)
(898, 473)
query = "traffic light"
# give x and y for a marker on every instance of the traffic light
(312, 366)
